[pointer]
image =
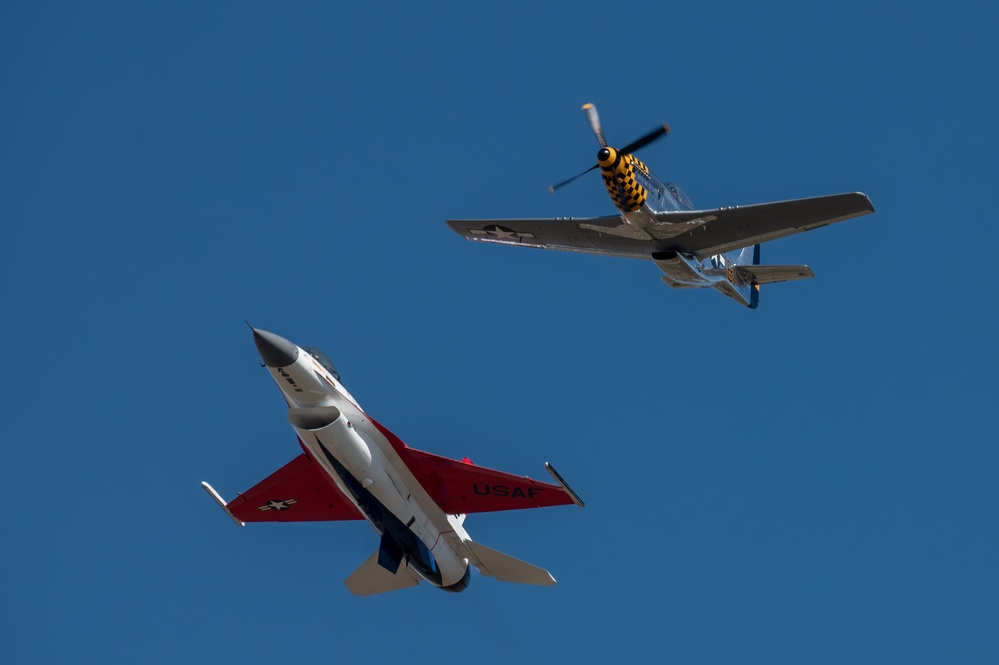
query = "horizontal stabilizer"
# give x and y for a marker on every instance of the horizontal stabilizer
(774, 274)
(371, 578)
(506, 568)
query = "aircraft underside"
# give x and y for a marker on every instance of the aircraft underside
(399, 545)
(353, 468)
(656, 220)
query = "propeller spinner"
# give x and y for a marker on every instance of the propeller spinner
(607, 155)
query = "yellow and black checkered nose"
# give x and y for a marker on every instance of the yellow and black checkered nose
(618, 172)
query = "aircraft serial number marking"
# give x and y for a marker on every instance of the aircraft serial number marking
(287, 377)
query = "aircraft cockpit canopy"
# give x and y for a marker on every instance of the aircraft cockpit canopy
(679, 195)
(323, 359)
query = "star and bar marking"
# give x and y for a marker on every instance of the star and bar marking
(278, 505)
(500, 233)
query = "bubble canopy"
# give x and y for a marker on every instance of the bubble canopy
(323, 359)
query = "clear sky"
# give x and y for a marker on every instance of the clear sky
(813, 481)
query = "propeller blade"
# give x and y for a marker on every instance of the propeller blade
(566, 182)
(645, 140)
(591, 117)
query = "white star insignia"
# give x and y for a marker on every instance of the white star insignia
(278, 505)
(500, 233)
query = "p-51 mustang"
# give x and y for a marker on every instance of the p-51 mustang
(717, 248)
(353, 468)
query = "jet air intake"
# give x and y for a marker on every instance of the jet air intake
(335, 433)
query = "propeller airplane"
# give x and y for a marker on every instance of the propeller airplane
(714, 248)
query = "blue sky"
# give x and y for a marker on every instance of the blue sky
(813, 481)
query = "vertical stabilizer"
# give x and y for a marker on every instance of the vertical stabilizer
(738, 270)
(754, 275)
(754, 293)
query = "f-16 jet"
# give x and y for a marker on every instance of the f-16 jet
(353, 468)
(716, 248)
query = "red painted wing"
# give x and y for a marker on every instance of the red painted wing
(462, 487)
(297, 492)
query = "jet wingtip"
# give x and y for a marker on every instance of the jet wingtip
(222, 504)
(564, 485)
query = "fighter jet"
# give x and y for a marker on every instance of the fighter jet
(717, 248)
(352, 468)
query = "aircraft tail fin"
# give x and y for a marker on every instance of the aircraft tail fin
(754, 287)
(371, 578)
(754, 296)
(745, 290)
(755, 274)
(505, 567)
(747, 256)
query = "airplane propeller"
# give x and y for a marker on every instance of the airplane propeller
(591, 116)
(594, 119)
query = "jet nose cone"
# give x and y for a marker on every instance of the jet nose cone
(275, 351)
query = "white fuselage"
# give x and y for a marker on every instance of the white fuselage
(330, 424)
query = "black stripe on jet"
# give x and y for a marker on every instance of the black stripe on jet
(397, 539)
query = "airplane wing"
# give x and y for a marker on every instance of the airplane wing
(592, 235)
(462, 487)
(297, 492)
(727, 229)
(699, 232)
